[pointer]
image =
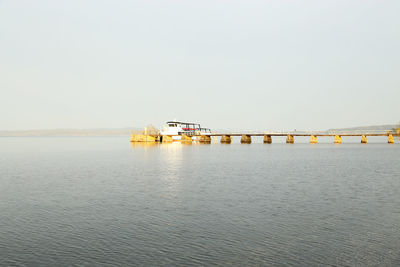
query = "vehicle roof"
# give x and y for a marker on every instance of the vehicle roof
(183, 122)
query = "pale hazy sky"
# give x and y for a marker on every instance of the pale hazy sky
(226, 64)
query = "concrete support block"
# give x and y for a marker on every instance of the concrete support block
(150, 138)
(226, 139)
(313, 139)
(246, 139)
(205, 139)
(338, 139)
(167, 139)
(196, 138)
(267, 139)
(186, 138)
(289, 139)
(142, 138)
(390, 139)
(363, 139)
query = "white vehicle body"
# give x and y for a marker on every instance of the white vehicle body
(176, 129)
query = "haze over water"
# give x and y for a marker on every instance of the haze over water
(100, 201)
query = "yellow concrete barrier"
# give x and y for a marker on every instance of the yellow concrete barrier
(246, 139)
(186, 138)
(390, 139)
(142, 138)
(363, 139)
(226, 139)
(313, 139)
(205, 139)
(338, 139)
(267, 139)
(167, 139)
(289, 139)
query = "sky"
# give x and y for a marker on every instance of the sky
(270, 65)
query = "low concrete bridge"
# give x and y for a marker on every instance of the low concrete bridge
(226, 138)
(246, 137)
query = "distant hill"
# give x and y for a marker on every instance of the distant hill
(387, 127)
(72, 132)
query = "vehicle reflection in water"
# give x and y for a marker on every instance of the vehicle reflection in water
(172, 175)
(165, 159)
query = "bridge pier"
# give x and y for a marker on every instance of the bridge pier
(226, 139)
(363, 139)
(267, 139)
(338, 139)
(186, 138)
(166, 139)
(205, 139)
(390, 139)
(142, 138)
(313, 139)
(246, 139)
(289, 139)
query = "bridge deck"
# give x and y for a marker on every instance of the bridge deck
(246, 137)
(302, 134)
(293, 134)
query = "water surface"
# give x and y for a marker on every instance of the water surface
(100, 201)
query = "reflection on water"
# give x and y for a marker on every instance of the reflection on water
(173, 162)
(99, 201)
(144, 144)
(173, 145)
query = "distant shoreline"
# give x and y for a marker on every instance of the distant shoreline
(69, 132)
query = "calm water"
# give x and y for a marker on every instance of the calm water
(100, 201)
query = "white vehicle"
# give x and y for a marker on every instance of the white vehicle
(177, 128)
